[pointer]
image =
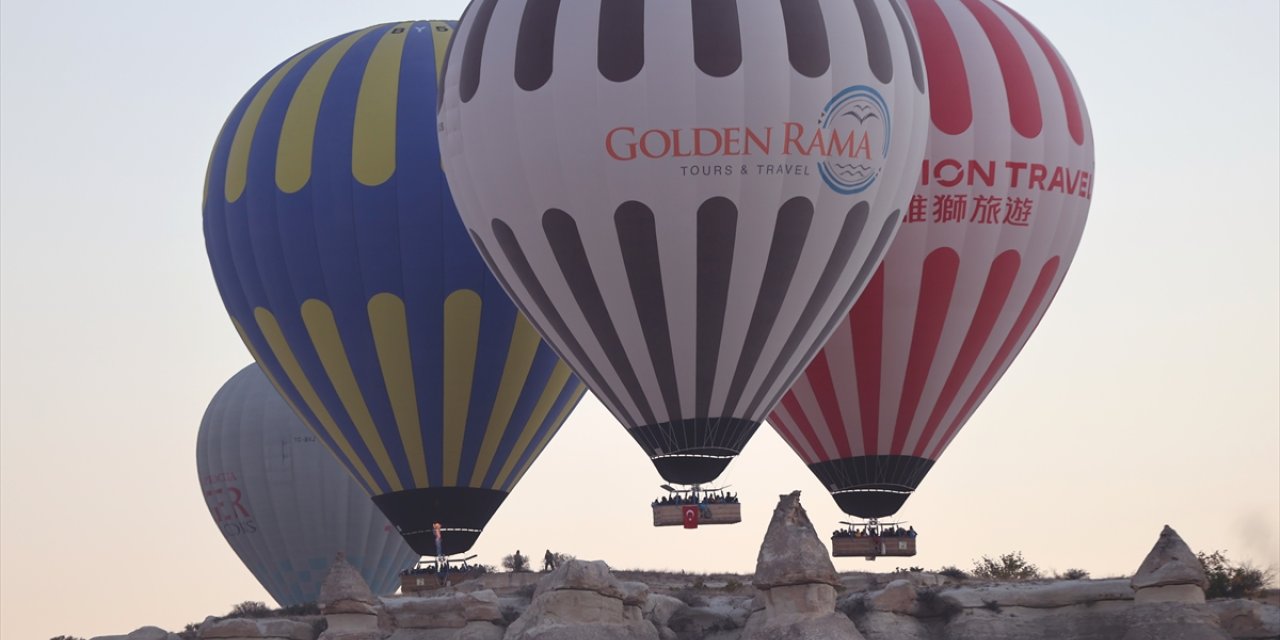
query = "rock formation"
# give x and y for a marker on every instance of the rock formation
(582, 600)
(461, 615)
(348, 604)
(797, 582)
(1170, 573)
(246, 629)
(143, 633)
(794, 597)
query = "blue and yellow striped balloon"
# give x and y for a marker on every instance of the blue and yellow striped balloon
(341, 258)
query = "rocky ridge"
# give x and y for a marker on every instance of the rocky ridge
(794, 594)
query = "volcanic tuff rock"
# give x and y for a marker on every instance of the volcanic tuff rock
(797, 581)
(792, 553)
(1170, 572)
(345, 591)
(582, 600)
(246, 629)
(451, 611)
(143, 633)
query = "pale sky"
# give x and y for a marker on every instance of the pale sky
(1149, 395)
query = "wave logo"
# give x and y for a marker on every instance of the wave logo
(860, 113)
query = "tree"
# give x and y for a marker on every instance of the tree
(1010, 566)
(1228, 580)
(515, 562)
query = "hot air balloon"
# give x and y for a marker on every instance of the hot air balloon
(283, 502)
(684, 197)
(341, 259)
(987, 238)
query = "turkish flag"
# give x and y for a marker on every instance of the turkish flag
(690, 512)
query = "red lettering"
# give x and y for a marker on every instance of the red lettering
(1038, 173)
(1058, 181)
(988, 176)
(646, 146)
(762, 145)
(610, 144)
(1016, 168)
(706, 142)
(732, 142)
(949, 163)
(864, 147)
(675, 143)
(792, 135)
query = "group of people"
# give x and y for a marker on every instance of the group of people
(720, 497)
(872, 531)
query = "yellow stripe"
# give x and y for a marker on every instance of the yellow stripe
(238, 162)
(461, 339)
(373, 145)
(284, 355)
(555, 428)
(318, 318)
(555, 385)
(297, 136)
(524, 346)
(391, 338)
(441, 34)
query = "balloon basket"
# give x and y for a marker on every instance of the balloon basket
(426, 576)
(672, 515)
(872, 547)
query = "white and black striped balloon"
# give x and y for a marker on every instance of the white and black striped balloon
(684, 196)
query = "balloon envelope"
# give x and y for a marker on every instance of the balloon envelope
(340, 257)
(283, 502)
(683, 196)
(997, 215)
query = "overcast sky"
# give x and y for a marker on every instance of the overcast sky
(1149, 394)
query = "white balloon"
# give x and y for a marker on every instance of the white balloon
(283, 502)
(684, 195)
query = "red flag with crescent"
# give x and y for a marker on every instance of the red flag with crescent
(690, 512)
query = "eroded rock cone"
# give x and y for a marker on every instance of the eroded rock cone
(582, 600)
(1170, 573)
(797, 582)
(792, 553)
(350, 609)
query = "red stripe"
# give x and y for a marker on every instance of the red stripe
(1070, 100)
(785, 431)
(819, 375)
(949, 101)
(866, 322)
(937, 284)
(802, 421)
(1006, 353)
(1004, 269)
(1019, 83)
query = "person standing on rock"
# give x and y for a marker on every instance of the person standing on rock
(549, 561)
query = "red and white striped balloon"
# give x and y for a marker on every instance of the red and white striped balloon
(991, 231)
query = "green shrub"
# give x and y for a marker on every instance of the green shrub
(953, 572)
(1010, 566)
(250, 609)
(1074, 574)
(1229, 580)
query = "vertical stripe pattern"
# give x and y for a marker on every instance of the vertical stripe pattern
(342, 260)
(633, 172)
(972, 271)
